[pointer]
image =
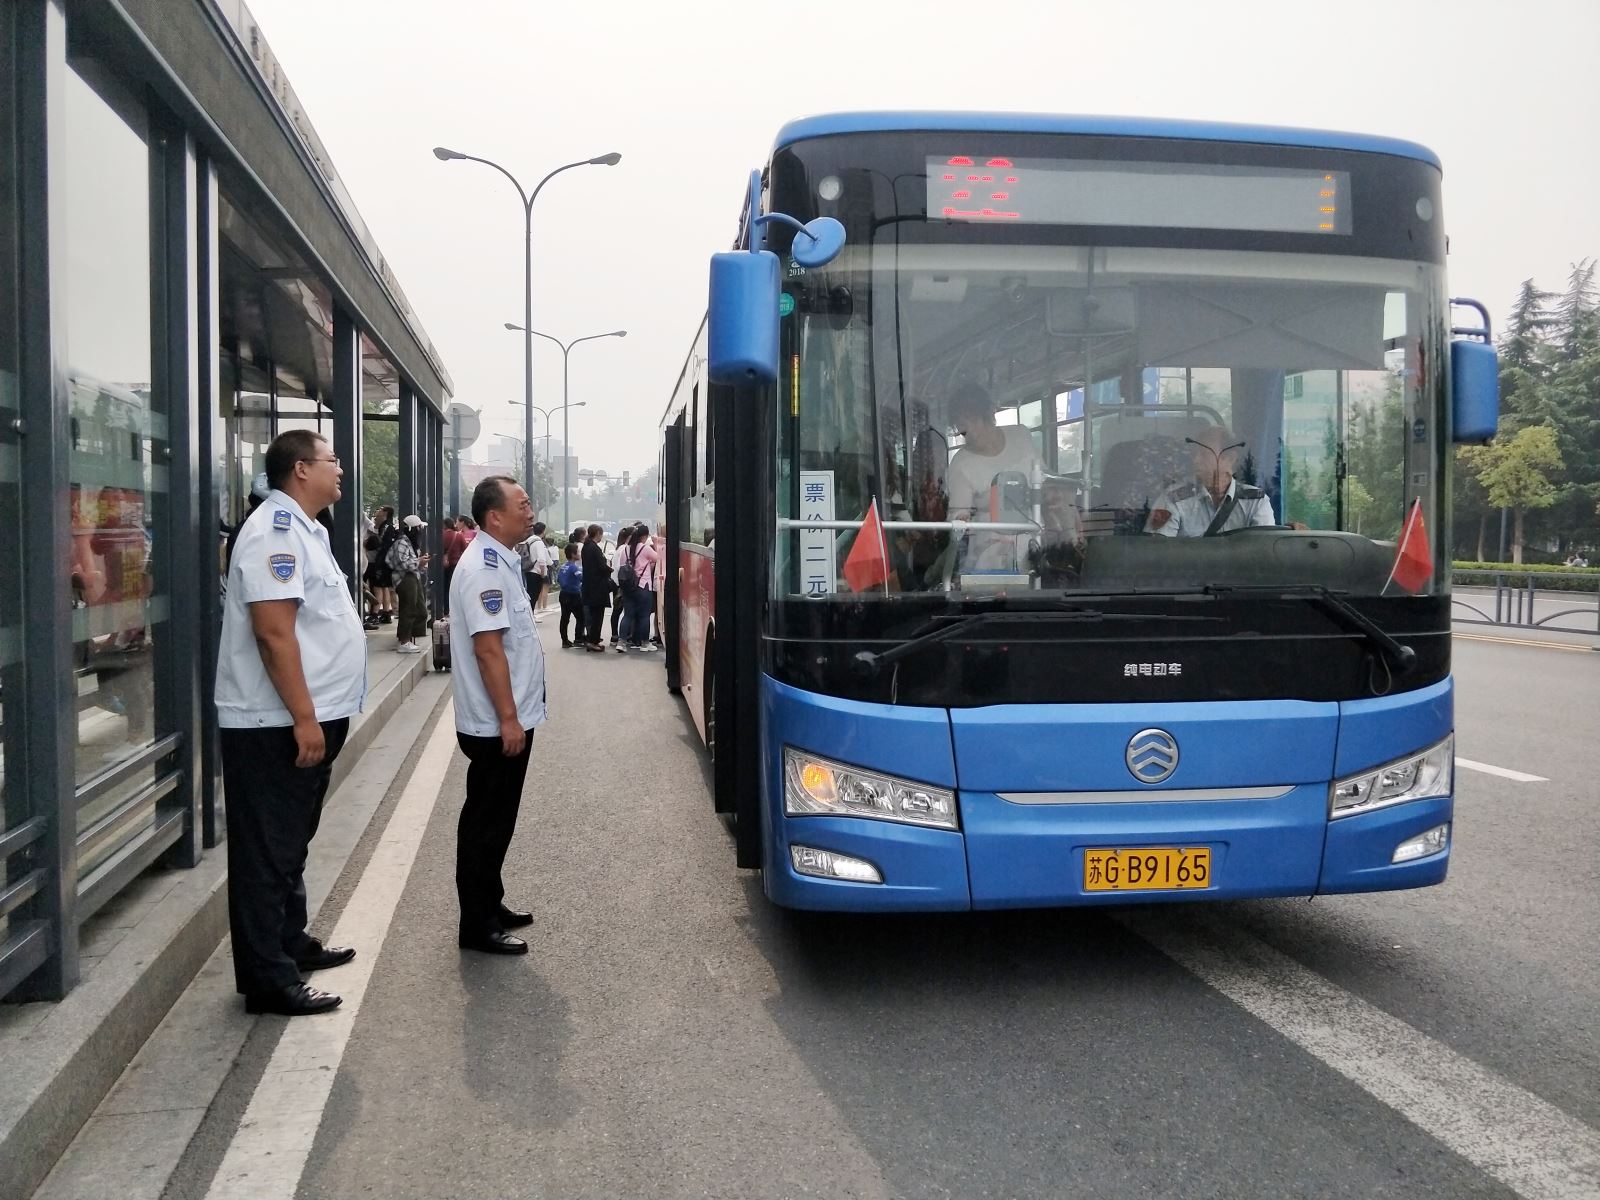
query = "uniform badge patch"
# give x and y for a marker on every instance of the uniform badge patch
(490, 557)
(280, 519)
(493, 599)
(282, 566)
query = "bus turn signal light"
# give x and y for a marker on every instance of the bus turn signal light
(815, 786)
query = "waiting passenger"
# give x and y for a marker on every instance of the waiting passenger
(1215, 501)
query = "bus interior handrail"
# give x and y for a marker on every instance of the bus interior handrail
(936, 526)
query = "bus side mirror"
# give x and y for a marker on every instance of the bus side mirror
(742, 319)
(1474, 378)
(1474, 391)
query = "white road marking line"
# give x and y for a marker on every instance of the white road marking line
(1503, 772)
(1524, 1142)
(268, 1153)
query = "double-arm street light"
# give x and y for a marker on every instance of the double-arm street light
(444, 154)
(545, 413)
(566, 451)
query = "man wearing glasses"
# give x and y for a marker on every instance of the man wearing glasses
(1214, 502)
(291, 672)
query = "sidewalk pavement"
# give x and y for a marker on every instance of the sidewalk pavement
(143, 948)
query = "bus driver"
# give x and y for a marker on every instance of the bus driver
(1215, 501)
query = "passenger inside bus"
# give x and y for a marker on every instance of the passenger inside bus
(989, 450)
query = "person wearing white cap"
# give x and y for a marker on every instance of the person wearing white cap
(408, 563)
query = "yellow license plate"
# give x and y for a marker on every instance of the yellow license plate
(1160, 868)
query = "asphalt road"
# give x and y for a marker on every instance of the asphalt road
(674, 1035)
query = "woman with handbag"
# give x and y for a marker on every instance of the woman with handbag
(408, 564)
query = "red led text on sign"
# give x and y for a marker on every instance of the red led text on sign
(956, 202)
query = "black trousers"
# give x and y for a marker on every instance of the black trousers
(483, 835)
(273, 811)
(571, 607)
(595, 631)
(413, 620)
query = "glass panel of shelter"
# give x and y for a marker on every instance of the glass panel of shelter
(117, 436)
(12, 812)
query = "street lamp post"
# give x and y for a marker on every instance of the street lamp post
(443, 154)
(566, 456)
(545, 412)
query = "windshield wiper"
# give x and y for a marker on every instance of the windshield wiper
(868, 663)
(1400, 656)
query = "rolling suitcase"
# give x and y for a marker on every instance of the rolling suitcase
(441, 644)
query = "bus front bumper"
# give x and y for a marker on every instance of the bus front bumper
(1012, 855)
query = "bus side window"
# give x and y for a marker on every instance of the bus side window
(696, 458)
(711, 443)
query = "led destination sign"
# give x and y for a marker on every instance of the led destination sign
(1054, 191)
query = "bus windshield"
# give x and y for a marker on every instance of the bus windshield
(1104, 367)
(1068, 418)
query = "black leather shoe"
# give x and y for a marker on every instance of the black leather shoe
(297, 1000)
(498, 942)
(510, 918)
(324, 957)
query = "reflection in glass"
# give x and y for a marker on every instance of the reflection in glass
(12, 812)
(117, 443)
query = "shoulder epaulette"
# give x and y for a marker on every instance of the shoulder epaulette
(1187, 492)
(491, 557)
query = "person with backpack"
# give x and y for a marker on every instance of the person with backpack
(379, 576)
(407, 564)
(536, 561)
(636, 576)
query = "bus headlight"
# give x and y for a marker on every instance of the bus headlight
(1415, 777)
(815, 786)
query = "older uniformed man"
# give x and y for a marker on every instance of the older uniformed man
(291, 672)
(1214, 501)
(499, 701)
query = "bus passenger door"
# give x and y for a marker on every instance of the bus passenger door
(674, 504)
(738, 458)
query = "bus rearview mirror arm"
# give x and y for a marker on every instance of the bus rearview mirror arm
(742, 318)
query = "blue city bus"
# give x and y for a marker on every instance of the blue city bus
(1059, 511)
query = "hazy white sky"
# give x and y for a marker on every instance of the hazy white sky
(691, 92)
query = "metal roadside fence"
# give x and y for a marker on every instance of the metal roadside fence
(1563, 601)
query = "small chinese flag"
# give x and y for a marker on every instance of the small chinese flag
(867, 564)
(1413, 563)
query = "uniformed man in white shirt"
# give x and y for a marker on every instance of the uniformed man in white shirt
(291, 672)
(499, 701)
(1214, 501)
